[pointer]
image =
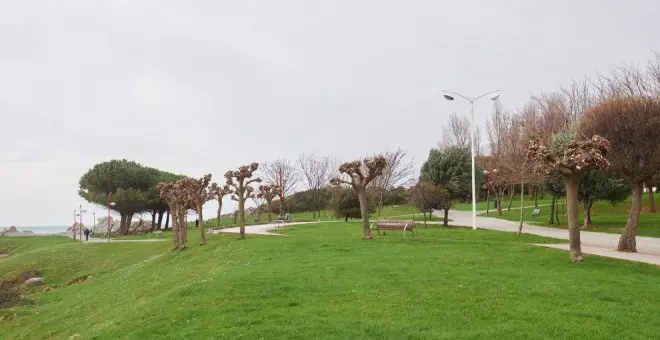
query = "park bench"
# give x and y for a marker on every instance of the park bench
(384, 225)
(282, 219)
(157, 232)
(536, 213)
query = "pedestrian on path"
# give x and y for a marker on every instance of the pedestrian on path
(86, 231)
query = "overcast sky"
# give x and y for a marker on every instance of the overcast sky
(204, 86)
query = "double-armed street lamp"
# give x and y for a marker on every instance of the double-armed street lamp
(449, 95)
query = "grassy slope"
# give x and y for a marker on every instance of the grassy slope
(324, 282)
(605, 217)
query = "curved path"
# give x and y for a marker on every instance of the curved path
(259, 229)
(602, 244)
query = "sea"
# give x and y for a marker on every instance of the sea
(44, 229)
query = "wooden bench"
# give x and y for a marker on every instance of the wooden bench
(536, 213)
(384, 225)
(157, 232)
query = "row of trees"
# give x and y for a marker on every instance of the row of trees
(597, 139)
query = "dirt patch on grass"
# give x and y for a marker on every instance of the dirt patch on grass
(79, 280)
(12, 287)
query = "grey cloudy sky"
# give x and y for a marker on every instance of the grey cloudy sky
(203, 86)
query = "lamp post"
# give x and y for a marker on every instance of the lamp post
(110, 204)
(81, 211)
(73, 226)
(449, 95)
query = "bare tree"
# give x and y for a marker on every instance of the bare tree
(456, 132)
(315, 170)
(570, 158)
(360, 174)
(397, 172)
(284, 174)
(239, 181)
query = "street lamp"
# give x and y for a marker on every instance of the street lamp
(449, 95)
(80, 212)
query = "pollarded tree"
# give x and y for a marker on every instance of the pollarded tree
(428, 197)
(239, 181)
(219, 194)
(570, 158)
(268, 193)
(177, 200)
(199, 191)
(361, 173)
(632, 125)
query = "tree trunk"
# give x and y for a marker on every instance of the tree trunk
(346, 218)
(219, 217)
(125, 224)
(182, 227)
(241, 214)
(445, 221)
(522, 211)
(487, 201)
(129, 219)
(536, 196)
(175, 229)
(424, 213)
(627, 241)
(512, 193)
(587, 213)
(366, 231)
(380, 204)
(572, 184)
(200, 217)
(552, 210)
(281, 205)
(167, 219)
(500, 199)
(160, 219)
(122, 224)
(269, 207)
(153, 221)
(651, 198)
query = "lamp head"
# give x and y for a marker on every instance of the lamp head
(448, 97)
(495, 97)
(112, 204)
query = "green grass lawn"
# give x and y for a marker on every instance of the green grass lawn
(324, 282)
(481, 205)
(605, 217)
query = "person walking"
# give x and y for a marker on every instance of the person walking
(86, 231)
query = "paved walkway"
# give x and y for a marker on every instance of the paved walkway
(105, 240)
(602, 244)
(259, 229)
